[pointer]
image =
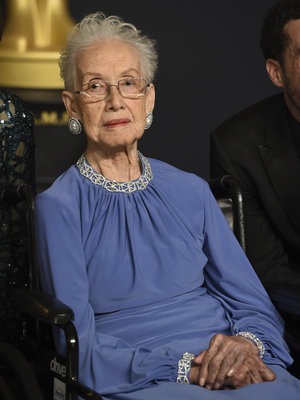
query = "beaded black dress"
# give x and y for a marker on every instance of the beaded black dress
(17, 167)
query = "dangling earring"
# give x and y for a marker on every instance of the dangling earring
(74, 126)
(149, 120)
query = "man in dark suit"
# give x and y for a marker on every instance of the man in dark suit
(260, 146)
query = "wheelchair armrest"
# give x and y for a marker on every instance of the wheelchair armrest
(286, 298)
(50, 310)
(42, 306)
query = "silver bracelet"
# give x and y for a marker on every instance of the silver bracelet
(184, 367)
(255, 340)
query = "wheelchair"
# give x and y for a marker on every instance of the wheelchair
(29, 365)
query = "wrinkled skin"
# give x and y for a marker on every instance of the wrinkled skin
(230, 362)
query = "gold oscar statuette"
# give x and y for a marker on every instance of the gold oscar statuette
(34, 33)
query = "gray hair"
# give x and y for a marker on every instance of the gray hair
(96, 27)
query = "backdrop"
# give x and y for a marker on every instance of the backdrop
(210, 67)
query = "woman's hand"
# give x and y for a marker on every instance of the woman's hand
(230, 362)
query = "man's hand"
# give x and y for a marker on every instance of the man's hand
(230, 362)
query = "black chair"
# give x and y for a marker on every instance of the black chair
(286, 299)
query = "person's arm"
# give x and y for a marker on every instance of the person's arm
(229, 361)
(264, 248)
(230, 277)
(107, 364)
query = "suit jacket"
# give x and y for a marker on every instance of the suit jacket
(257, 148)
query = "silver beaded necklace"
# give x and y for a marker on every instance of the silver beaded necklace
(114, 186)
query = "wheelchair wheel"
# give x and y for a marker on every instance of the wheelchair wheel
(17, 380)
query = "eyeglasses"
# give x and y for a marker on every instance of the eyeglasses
(129, 88)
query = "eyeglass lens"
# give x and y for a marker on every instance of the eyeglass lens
(126, 86)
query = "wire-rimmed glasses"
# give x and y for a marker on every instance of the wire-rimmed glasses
(97, 89)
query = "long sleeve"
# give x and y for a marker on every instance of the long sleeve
(231, 279)
(106, 363)
(264, 247)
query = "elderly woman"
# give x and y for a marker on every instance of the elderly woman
(163, 295)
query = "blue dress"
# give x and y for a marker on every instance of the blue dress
(152, 270)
